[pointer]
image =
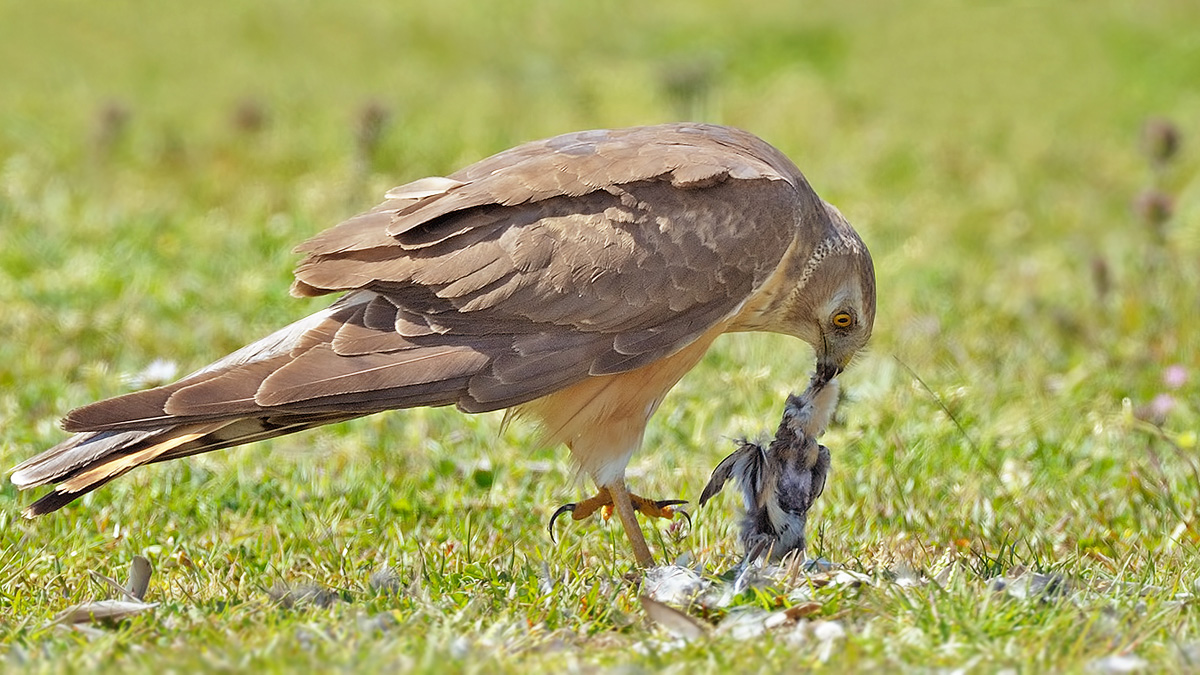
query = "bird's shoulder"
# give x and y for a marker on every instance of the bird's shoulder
(683, 156)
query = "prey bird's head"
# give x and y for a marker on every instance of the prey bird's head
(832, 306)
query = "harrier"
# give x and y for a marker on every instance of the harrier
(572, 280)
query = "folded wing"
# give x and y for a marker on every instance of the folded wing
(583, 255)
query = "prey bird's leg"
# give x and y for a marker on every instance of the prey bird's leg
(623, 505)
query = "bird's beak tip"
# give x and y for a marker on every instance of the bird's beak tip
(826, 371)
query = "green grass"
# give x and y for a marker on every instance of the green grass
(988, 156)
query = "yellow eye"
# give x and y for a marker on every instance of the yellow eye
(842, 320)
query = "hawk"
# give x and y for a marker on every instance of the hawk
(572, 281)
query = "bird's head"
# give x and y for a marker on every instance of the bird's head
(833, 306)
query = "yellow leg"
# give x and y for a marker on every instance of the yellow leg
(617, 498)
(623, 505)
(588, 506)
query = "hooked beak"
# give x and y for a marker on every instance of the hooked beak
(826, 371)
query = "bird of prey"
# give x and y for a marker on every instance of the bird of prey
(572, 280)
(779, 483)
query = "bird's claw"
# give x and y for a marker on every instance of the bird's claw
(602, 502)
(565, 508)
(657, 508)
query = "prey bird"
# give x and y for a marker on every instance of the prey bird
(779, 483)
(572, 281)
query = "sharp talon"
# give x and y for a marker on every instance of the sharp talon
(603, 501)
(686, 517)
(565, 508)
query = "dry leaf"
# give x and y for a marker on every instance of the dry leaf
(103, 611)
(800, 611)
(674, 621)
(139, 577)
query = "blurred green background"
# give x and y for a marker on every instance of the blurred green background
(1031, 386)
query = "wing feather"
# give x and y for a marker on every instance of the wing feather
(571, 237)
(322, 373)
(586, 254)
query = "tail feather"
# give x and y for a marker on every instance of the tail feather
(74, 454)
(219, 406)
(116, 464)
(89, 460)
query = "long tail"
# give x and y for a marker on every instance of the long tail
(88, 460)
(292, 380)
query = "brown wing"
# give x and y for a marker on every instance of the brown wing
(586, 254)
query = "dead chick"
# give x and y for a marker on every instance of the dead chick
(780, 482)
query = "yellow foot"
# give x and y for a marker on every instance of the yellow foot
(602, 501)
